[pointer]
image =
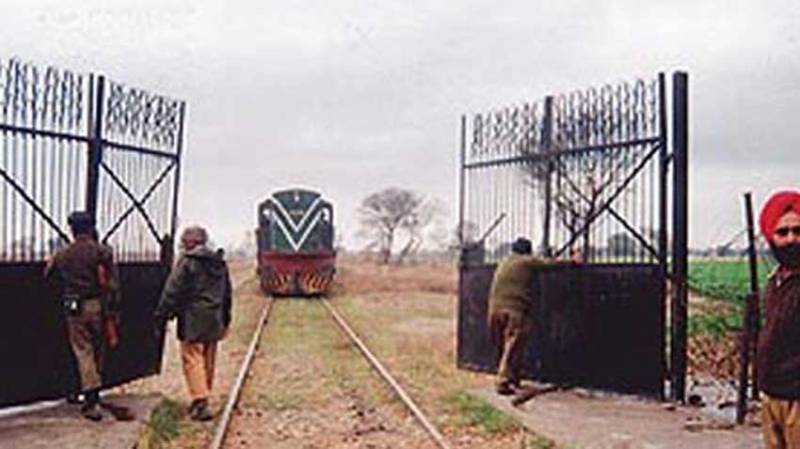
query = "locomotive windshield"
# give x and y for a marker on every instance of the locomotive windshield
(295, 221)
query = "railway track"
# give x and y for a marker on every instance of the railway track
(227, 416)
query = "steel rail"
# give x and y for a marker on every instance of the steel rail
(222, 426)
(387, 376)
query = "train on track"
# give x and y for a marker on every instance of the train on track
(296, 256)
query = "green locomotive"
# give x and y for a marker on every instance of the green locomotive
(295, 243)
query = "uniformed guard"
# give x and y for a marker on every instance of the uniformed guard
(511, 303)
(198, 293)
(79, 267)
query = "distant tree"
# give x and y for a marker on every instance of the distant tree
(621, 244)
(451, 241)
(338, 242)
(246, 248)
(724, 251)
(386, 214)
(471, 232)
(440, 237)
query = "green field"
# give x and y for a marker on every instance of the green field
(725, 279)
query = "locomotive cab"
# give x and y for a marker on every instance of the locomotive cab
(295, 243)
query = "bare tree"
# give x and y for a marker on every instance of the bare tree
(579, 189)
(392, 211)
(577, 201)
(440, 236)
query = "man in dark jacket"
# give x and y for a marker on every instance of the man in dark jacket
(511, 302)
(198, 293)
(778, 356)
(84, 298)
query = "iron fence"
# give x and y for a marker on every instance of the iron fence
(44, 126)
(573, 171)
(142, 136)
(72, 141)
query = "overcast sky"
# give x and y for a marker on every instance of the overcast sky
(349, 97)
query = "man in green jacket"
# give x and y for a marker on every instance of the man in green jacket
(511, 302)
(198, 293)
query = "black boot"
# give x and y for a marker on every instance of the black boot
(91, 409)
(198, 411)
(504, 388)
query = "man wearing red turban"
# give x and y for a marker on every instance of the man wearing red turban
(778, 359)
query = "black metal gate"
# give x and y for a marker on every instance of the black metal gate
(586, 171)
(70, 141)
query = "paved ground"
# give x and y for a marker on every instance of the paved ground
(59, 425)
(582, 420)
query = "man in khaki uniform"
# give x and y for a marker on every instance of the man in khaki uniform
(778, 353)
(511, 302)
(83, 295)
(198, 293)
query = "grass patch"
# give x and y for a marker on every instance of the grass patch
(247, 311)
(282, 400)
(533, 441)
(164, 425)
(714, 326)
(473, 412)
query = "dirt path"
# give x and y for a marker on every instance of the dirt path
(414, 335)
(309, 388)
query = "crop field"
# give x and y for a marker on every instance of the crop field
(719, 288)
(727, 279)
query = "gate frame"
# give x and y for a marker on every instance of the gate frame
(159, 134)
(674, 272)
(97, 144)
